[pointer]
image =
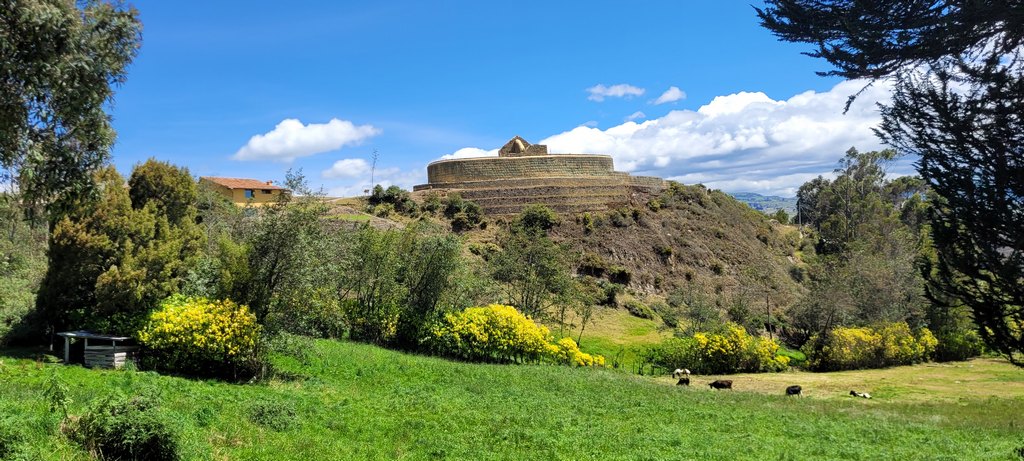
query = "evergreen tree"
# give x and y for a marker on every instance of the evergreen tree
(110, 263)
(958, 104)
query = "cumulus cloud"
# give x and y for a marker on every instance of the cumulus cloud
(347, 168)
(672, 94)
(636, 115)
(622, 90)
(469, 152)
(290, 139)
(741, 142)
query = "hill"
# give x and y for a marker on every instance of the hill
(340, 400)
(692, 242)
(686, 247)
(767, 203)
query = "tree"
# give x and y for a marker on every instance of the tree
(110, 263)
(60, 63)
(170, 189)
(371, 287)
(289, 251)
(957, 68)
(533, 269)
(429, 265)
(869, 243)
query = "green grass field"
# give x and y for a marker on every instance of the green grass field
(355, 401)
(617, 335)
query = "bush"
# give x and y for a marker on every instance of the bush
(885, 345)
(493, 333)
(464, 214)
(619, 275)
(119, 428)
(567, 352)
(201, 337)
(538, 217)
(668, 315)
(12, 438)
(279, 416)
(392, 199)
(959, 345)
(432, 203)
(731, 350)
(382, 210)
(639, 309)
(315, 312)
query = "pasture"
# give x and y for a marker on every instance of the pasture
(344, 400)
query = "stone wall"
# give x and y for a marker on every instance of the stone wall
(524, 175)
(496, 168)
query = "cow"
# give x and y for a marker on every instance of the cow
(684, 381)
(721, 384)
(680, 372)
(794, 390)
(863, 395)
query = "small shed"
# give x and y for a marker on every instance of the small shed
(105, 350)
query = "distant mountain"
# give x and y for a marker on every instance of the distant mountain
(767, 203)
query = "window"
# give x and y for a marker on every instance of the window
(248, 193)
(266, 191)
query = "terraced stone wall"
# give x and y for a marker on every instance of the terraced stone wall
(568, 183)
(496, 168)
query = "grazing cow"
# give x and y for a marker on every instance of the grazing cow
(721, 384)
(684, 381)
(680, 372)
(794, 390)
(863, 395)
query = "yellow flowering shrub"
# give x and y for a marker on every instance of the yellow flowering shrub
(730, 350)
(499, 333)
(884, 345)
(490, 333)
(200, 336)
(567, 352)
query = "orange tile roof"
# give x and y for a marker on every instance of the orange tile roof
(242, 183)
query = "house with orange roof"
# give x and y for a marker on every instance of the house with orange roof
(243, 191)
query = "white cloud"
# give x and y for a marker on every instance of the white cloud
(386, 177)
(347, 168)
(622, 90)
(470, 152)
(740, 142)
(636, 115)
(672, 94)
(290, 139)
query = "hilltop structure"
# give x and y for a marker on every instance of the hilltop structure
(524, 173)
(242, 191)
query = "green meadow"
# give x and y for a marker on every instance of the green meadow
(341, 400)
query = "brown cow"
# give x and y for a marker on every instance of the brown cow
(721, 384)
(794, 390)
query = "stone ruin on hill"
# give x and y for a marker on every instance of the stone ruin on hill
(524, 174)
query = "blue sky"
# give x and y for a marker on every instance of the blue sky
(693, 91)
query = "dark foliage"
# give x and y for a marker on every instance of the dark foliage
(395, 196)
(120, 428)
(60, 63)
(958, 68)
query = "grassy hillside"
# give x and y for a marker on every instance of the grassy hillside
(690, 236)
(354, 401)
